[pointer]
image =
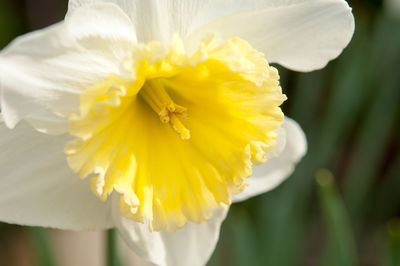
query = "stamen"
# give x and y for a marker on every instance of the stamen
(179, 127)
(155, 95)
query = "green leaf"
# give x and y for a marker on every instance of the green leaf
(392, 254)
(246, 247)
(387, 199)
(341, 243)
(223, 253)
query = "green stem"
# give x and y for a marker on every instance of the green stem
(41, 245)
(113, 258)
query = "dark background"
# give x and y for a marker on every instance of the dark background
(341, 207)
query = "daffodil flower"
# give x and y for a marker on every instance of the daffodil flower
(151, 116)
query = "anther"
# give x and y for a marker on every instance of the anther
(155, 95)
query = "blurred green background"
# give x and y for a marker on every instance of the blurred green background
(341, 207)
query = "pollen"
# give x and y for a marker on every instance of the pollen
(179, 135)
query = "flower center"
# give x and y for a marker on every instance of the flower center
(155, 94)
(132, 134)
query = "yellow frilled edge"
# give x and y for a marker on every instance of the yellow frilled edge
(181, 135)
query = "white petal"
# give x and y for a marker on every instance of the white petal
(160, 19)
(42, 73)
(103, 27)
(129, 257)
(191, 245)
(38, 189)
(280, 143)
(154, 19)
(270, 174)
(300, 35)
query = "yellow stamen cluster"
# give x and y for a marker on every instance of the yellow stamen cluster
(153, 92)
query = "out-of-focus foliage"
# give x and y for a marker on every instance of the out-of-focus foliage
(350, 112)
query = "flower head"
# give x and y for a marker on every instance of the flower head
(162, 108)
(179, 135)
